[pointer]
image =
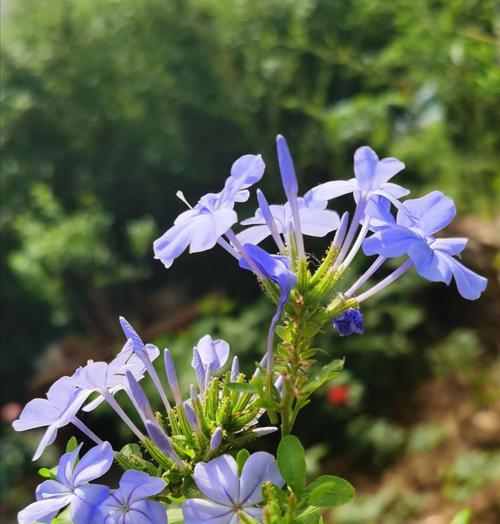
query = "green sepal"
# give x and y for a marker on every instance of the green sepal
(242, 387)
(71, 445)
(130, 457)
(241, 458)
(47, 473)
(159, 457)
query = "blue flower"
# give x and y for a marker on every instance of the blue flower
(71, 487)
(230, 495)
(57, 410)
(315, 220)
(201, 227)
(131, 503)
(371, 178)
(412, 233)
(349, 322)
(102, 378)
(208, 357)
(126, 361)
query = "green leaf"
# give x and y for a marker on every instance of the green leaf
(326, 373)
(462, 517)
(284, 333)
(241, 458)
(242, 387)
(329, 491)
(71, 445)
(309, 517)
(47, 473)
(292, 463)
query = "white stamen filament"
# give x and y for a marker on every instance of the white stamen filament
(85, 430)
(355, 248)
(386, 282)
(237, 244)
(360, 208)
(228, 247)
(156, 381)
(119, 411)
(366, 275)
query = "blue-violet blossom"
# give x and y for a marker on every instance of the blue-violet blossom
(371, 178)
(230, 495)
(57, 410)
(315, 220)
(412, 233)
(71, 487)
(202, 226)
(208, 357)
(349, 322)
(131, 504)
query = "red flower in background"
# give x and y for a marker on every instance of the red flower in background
(338, 395)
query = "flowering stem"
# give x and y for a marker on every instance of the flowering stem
(365, 276)
(386, 282)
(119, 411)
(85, 430)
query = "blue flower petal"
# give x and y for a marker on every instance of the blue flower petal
(198, 511)
(469, 284)
(390, 242)
(430, 213)
(365, 164)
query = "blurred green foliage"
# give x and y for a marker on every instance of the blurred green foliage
(385, 507)
(471, 472)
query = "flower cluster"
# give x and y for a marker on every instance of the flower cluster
(185, 446)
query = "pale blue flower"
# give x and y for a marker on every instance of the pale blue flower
(201, 227)
(57, 410)
(315, 220)
(209, 356)
(71, 487)
(412, 233)
(371, 178)
(131, 503)
(126, 361)
(230, 495)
